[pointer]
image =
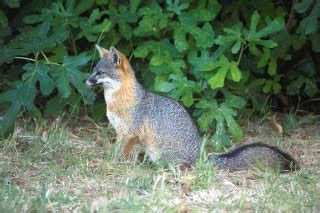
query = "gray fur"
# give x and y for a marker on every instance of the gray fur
(102, 70)
(172, 124)
(255, 155)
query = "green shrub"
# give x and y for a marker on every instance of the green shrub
(216, 57)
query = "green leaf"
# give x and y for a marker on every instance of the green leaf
(3, 19)
(208, 110)
(37, 39)
(12, 3)
(61, 79)
(123, 16)
(175, 66)
(165, 57)
(218, 79)
(234, 34)
(220, 140)
(39, 73)
(272, 69)
(214, 8)
(55, 105)
(33, 19)
(302, 6)
(22, 95)
(264, 58)
(204, 121)
(180, 40)
(95, 15)
(125, 30)
(180, 88)
(274, 26)
(315, 40)
(276, 88)
(221, 115)
(236, 47)
(205, 104)
(27, 93)
(187, 99)
(235, 72)
(152, 22)
(233, 126)
(294, 87)
(204, 62)
(76, 61)
(98, 112)
(202, 14)
(267, 43)
(267, 86)
(166, 87)
(82, 6)
(143, 50)
(254, 22)
(310, 23)
(102, 2)
(237, 35)
(134, 5)
(254, 50)
(90, 29)
(204, 36)
(157, 60)
(234, 101)
(223, 66)
(256, 83)
(311, 88)
(71, 64)
(163, 50)
(176, 7)
(8, 119)
(255, 37)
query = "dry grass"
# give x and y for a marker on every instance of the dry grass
(72, 167)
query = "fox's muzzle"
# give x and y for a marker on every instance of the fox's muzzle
(91, 82)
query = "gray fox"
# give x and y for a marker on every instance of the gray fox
(161, 125)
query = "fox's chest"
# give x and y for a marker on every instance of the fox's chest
(117, 123)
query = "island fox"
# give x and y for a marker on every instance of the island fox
(161, 125)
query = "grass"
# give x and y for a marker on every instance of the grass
(72, 166)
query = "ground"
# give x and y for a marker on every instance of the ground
(70, 165)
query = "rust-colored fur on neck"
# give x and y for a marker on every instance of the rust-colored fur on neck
(125, 98)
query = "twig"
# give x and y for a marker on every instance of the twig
(291, 22)
(25, 58)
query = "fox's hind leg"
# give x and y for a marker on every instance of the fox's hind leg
(127, 146)
(170, 156)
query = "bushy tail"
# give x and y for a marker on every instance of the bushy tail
(253, 155)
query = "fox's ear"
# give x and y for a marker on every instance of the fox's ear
(102, 52)
(114, 56)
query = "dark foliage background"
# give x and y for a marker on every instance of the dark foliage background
(221, 59)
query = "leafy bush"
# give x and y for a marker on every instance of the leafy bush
(217, 57)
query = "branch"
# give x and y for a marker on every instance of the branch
(291, 22)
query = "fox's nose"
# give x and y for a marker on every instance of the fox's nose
(84, 80)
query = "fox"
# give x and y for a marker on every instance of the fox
(161, 125)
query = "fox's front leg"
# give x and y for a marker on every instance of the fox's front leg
(127, 144)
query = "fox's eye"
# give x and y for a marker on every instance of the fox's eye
(99, 73)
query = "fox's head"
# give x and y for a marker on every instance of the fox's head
(110, 71)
